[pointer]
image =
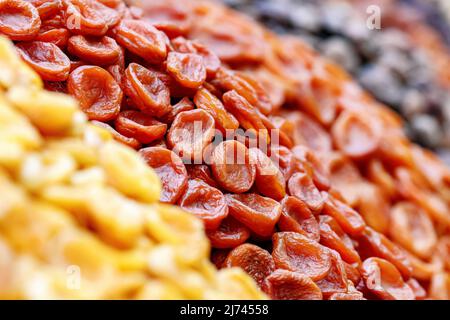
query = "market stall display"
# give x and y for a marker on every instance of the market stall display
(301, 178)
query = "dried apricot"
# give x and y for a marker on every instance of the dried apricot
(96, 90)
(99, 51)
(230, 234)
(257, 213)
(19, 20)
(46, 59)
(301, 185)
(384, 280)
(205, 202)
(269, 179)
(138, 125)
(147, 91)
(231, 167)
(205, 100)
(287, 285)
(170, 169)
(142, 39)
(295, 252)
(257, 262)
(190, 133)
(336, 279)
(296, 217)
(187, 69)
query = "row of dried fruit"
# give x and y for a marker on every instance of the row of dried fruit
(345, 183)
(79, 213)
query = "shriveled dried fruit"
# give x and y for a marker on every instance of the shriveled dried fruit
(205, 100)
(257, 262)
(170, 169)
(99, 51)
(287, 285)
(89, 17)
(46, 59)
(184, 104)
(139, 125)
(187, 69)
(246, 114)
(349, 220)
(190, 133)
(384, 280)
(295, 252)
(301, 185)
(412, 228)
(96, 90)
(332, 236)
(142, 39)
(19, 20)
(355, 135)
(296, 217)
(146, 90)
(205, 202)
(131, 142)
(374, 244)
(336, 279)
(258, 213)
(231, 166)
(269, 179)
(59, 37)
(230, 234)
(202, 172)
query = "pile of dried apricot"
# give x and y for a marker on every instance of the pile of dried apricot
(301, 178)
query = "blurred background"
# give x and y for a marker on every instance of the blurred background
(405, 64)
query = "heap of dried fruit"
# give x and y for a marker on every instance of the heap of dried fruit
(301, 178)
(79, 216)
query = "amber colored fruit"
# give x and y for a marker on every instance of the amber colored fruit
(210, 59)
(147, 91)
(184, 104)
(245, 86)
(230, 234)
(296, 217)
(348, 219)
(259, 214)
(97, 92)
(46, 59)
(336, 279)
(99, 51)
(285, 161)
(187, 69)
(59, 37)
(202, 172)
(190, 133)
(384, 280)
(374, 244)
(89, 17)
(246, 114)
(231, 167)
(269, 179)
(287, 285)
(314, 166)
(143, 39)
(47, 8)
(412, 228)
(131, 142)
(170, 169)
(355, 135)
(257, 262)
(295, 252)
(301, 185)
(205, 100)
(19, 20)
(333, 237)
(419, 292)
(139, 125)
(205, 202)
(310, 133)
